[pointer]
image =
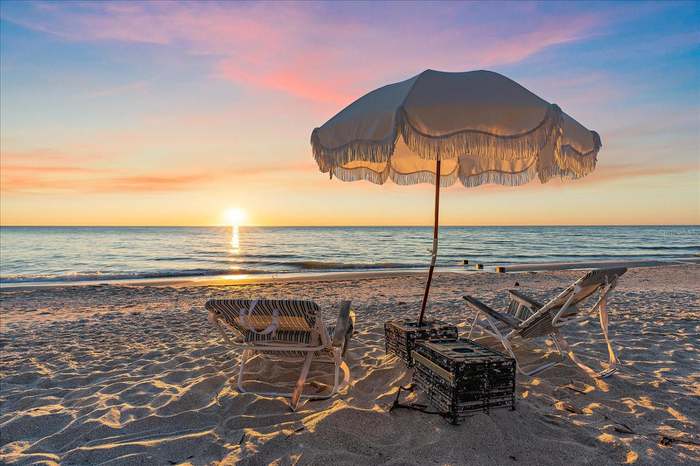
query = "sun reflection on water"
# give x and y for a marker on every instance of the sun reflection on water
(235, 240)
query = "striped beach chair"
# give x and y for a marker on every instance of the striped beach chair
(288, 330)
(528, 319)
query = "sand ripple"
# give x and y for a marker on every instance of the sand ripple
(136, 375)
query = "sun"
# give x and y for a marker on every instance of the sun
(235, 216)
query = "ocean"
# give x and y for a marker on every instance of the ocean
(69, 254)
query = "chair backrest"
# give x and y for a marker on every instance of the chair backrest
(587, 285)
(268, 320)
(540, 323)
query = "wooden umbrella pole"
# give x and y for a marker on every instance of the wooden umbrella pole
(435, 243)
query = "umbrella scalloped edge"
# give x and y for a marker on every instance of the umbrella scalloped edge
(568, 162)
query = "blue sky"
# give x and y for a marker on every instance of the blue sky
(169, 113)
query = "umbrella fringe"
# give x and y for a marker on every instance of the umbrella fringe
(481, 144)
(380, 177)
(572, 170)
(360, 173)
(498, 177)
(474, 143)
(367, 151)
(578, 164)
(405, 179)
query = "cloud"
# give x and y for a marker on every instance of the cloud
(149, 183)
(622, 172)
(48, 169)
(327, 54)
(42, 156)
(606, 174)
(68, 179)
(48, 172)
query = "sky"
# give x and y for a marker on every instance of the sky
(158, 113)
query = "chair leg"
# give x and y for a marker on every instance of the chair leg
(296, 395)
(248, 354)
(215, 321)
(471, 329)
(245, 357)
(506, 344)
(612, 358)
(556, 343)
(530, 373)
(345, 369)
(336, 370)
(340, 366)
(495, 333)
(588, 370)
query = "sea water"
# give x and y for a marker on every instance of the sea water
(63, 254)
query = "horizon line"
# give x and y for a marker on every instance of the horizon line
(364, 226)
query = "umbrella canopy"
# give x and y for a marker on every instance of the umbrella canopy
(485, 128)
(476, 127)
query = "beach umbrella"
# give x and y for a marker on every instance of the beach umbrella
(476, 127)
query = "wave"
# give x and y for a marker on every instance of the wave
(163, 274)
(322, 265)
(670, 248)
(174, 259)
(104, 276)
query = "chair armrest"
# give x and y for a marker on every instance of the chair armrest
(526, 301)
(344, 325)
(477, 305)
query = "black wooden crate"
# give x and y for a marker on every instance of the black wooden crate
(460, 377)
(401, 336)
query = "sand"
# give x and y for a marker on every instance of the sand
(127, 374)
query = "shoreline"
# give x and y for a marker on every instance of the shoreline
(285, 277)
(220, 280)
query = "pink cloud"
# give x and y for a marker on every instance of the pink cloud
(553, 31)
(313, 52)
(290, 79)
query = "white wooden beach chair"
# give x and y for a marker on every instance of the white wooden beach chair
(528, 319)
(287, 330)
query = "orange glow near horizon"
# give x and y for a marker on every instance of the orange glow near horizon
(317, 201)
(163, 114)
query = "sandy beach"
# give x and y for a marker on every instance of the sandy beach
(132, 374)
(157, 155)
